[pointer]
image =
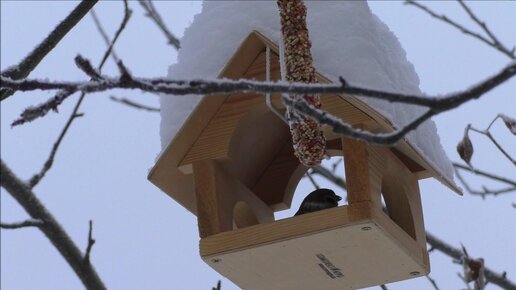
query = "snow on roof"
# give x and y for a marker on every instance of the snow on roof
(348, 40)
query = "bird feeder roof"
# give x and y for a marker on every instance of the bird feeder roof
(240, 131)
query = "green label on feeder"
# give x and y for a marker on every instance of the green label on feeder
(328, 267)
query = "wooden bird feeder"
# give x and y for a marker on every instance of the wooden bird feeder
(233, 166)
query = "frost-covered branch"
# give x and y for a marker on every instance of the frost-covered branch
(344, 129)
(436, 104)
(492, 41)
(50, 227)
(24, 224)
(30, 62)
(153, 14)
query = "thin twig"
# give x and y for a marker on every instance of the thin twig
(485, 191)
(492, 43)
(484, 173)
(103, 33)
(75, 112)
(91, 242)
(51, 227)
(48, 164)
(494, 40)
(432, 281)
(312, 180)
(153, 14)
(130, 103)
(488, 135)
(24, 224)
(335, 165)
(29, 63)
(218, 286)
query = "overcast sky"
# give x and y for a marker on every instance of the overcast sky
(147, 241)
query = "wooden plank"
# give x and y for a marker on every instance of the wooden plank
(357, 245)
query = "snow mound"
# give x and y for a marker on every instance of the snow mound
(348, 40)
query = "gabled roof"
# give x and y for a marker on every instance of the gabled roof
(221, 125)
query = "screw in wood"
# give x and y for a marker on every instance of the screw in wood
(414, 273)
(216, 260)
(366, 228)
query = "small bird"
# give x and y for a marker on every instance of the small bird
(319, 199)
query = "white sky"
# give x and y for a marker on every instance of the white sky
(147, 241)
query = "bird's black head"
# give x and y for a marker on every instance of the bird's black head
(319, 199)
(327, 195)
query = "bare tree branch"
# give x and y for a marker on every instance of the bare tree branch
(485, 191)
(153, 14)
(103, 33)
(24, 224)
(50, 227)
(324, 172)
(312, 180)
(50, 161)
(23, 69)
(493, 42)
(466, 156)
(75, 112)
(130, 103)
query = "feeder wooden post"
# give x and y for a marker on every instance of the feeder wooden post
(364, 168)
(211, 188)
(372, 171)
